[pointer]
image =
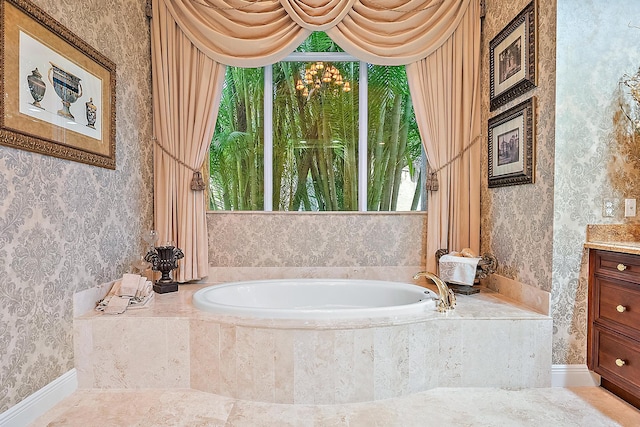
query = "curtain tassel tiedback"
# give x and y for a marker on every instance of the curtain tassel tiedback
(432, 177)
(197, 183)
(432, 182)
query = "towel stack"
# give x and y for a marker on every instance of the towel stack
(132, 291)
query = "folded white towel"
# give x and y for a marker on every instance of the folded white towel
(458, 269)
(132, 291)
(116, 305)
(141, 303)
(129, 285)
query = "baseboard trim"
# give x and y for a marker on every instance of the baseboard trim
(26, 412)
(573, 376)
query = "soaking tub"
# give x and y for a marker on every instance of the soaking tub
(315, 299)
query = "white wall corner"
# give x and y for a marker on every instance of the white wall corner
(37, 404)
(573, 376)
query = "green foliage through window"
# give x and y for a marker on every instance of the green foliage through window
(315, 138)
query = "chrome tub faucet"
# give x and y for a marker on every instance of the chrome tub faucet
(447, 299)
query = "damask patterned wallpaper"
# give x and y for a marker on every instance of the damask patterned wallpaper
(347, 239)
(597, 44)
(517, 221)
(537, 231)
(66, 226)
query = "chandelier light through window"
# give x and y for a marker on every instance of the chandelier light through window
(319, 76)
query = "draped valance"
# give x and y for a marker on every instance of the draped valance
(250, 33)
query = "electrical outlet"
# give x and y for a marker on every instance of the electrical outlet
(629, 207)
(609, 207)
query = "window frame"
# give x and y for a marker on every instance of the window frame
(363, 132)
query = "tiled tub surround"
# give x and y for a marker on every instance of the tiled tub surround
(529, 296)
(485, 342)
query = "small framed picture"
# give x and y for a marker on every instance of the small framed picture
(512, 59)
(512, 146)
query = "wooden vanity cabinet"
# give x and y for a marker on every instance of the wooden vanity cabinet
(613, 340)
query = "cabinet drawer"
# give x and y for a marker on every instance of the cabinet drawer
(621, 266)
(619, 303)
(618, 360)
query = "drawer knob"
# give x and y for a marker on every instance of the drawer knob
(620, 362)
(622, 267)
(621, 308)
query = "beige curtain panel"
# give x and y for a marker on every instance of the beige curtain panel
(193, 40)
(445, 90)
(258, 33)
(187, 86)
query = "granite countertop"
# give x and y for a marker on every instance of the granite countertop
(624, 238)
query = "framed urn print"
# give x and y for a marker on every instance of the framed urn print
(512, 59)
(59, 91)
(512, 146)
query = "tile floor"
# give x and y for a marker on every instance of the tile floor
(442, 407)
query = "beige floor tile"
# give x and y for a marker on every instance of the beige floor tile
(608, 404)
(99, 408)
(187, 408)
(442, 407)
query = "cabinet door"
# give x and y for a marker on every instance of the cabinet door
(617, 266)
(618, 359)
(618, 304)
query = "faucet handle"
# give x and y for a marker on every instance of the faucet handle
(447, 299)
(452, 298)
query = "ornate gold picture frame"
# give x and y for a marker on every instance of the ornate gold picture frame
(512, 58)
(512, 146)
(59, 92)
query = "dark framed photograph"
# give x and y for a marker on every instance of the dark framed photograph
(59, 92)
(512, 146)
(512, 58)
